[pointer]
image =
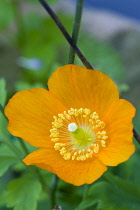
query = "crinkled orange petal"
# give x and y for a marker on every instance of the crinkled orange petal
(71, 171)
(119, 128)
(30, 114)
(78, 87)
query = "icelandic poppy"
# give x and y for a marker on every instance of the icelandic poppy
(80, 125)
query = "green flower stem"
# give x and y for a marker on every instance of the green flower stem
(12, 147)
(1, 109)
(86, 186)
(16, 4)
(66, 34)
(34, 171)
(7, 141)
(42, 180)
(76, 28)
(55, 180)
(22, 144)
(74, 46)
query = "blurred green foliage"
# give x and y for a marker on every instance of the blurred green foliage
(113, 193)
(39, 48)
(18, 190)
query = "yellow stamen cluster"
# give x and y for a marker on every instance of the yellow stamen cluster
(74, 148)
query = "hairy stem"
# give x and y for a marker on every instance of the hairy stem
(76, 28)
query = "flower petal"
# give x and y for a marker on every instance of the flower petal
(119, 127)
(78, 87)
(30, 114)
(71, 171)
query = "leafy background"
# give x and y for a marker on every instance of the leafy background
(31, 47)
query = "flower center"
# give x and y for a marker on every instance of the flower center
(82, 137)
(78, 134)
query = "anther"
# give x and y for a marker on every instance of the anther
(84, 140)
(96, 148)
(68, 116)
(55, 139)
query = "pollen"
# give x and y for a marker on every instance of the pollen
(78, 134)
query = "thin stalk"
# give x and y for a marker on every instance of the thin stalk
(16, 4)
(12, 147)
(76, 28)
(18, 154)
(53, 191)
(66, 34)
(74, 46)
(85, 191)
(34, 171)
(7, 141)
(136, 135)
(26, 151)
(42, 180)
(2, 109)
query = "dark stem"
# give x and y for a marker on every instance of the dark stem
(73, 45)
(2, 109)
(53, 191)
(136, 135)
(66, 34)
(76, 28)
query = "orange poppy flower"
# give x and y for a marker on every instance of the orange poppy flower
(80, 125)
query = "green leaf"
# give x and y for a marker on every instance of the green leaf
(129, 170)
(3, 122)
(42, 30)
(5, 163)
(91, 197)
(5, 17)
(114, 193)
(24, 85)
(3, 93)
(3, 127)
(102, 56)
(69, 196)
(2, 199)
(120, 193)
(23, 193)
(7, 158)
